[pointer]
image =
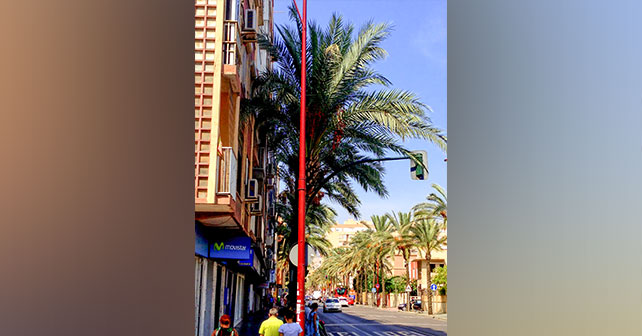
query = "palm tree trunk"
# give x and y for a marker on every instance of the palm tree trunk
(383, 286)
(405, 259)
(429, 280)
(357, 288)
(376, 281)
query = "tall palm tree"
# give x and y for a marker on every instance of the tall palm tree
(436, 205)
(402, 223)
(384, 241)
(428, 236)
(352, 113)
(361, 259)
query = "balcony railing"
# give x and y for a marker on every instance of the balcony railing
(231, 42)
(226, 178)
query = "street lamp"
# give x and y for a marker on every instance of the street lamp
(300, 309)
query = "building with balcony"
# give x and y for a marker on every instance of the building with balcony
(340, 233)
(235, 179)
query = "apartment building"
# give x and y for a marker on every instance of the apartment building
(341, 233)
(235, 179)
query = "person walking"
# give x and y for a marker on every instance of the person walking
(290, 328)
(270, 327)
(225, 327)
(312, 321)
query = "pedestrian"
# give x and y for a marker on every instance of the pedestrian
(282, 312)
(290, 328)
(312, 321)
(270, 327)
(225, 327)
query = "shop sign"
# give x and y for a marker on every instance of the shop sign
(231, 248)
(249, 261)
(201, 243)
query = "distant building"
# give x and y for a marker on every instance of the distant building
(340, 233)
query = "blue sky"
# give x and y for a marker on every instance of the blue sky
(416, 62)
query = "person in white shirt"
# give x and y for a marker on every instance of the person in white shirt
(290, 328)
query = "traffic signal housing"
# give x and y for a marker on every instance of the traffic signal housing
(419, 165)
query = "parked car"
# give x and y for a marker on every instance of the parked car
(331, 304)
(344, 301)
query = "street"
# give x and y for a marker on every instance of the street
(364, 321)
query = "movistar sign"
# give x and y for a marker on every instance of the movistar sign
(232, 248)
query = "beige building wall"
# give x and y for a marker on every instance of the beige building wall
(340, 233)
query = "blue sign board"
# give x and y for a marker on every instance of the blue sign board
(231, 248)
(249, 261)
(433, 287)
(201, 244)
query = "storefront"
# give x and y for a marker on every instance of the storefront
(226, 278)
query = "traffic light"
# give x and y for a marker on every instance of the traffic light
(419, 166)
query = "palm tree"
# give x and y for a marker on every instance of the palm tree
(428, 236)
(348, 120)
(361, 259)
(435, 207)
(402, 223)
(384, 240)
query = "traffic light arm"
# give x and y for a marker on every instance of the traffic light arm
(352, 164)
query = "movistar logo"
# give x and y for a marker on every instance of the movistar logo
(222, 246)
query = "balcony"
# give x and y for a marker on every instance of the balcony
(232, 53)
(226, 209)
(226, 178)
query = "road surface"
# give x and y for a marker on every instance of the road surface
(367, 321)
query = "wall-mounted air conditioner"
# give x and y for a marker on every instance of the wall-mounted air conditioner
(256, 208)
(249, 20)
(271, 169)
(252, 190)
(258, 173)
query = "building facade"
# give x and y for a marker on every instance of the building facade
(235, 179)
(341, 233)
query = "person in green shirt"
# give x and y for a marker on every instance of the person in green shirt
(270, 327)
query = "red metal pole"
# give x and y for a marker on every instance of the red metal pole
(301, 188)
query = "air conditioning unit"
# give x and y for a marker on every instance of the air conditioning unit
(271, 169)
(258, 173)
(252, 190)
(256, 208)
(249, 20)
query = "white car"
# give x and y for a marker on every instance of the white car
(331, 304)
(343, 301)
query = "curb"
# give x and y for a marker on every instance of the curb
(435, 317)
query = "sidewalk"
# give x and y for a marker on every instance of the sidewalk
(250, 326)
